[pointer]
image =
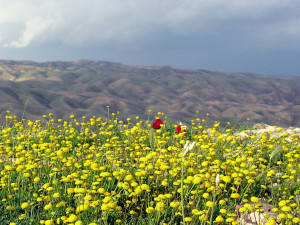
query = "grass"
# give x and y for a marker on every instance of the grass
(108, 171)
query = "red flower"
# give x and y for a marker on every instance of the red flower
(157, 123)
(178, 129)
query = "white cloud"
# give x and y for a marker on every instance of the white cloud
(34, 28)
(98, 22)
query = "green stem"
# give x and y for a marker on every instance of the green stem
(25, 109)
(108, 112)
(212, 209)
(244, 191)
(182, 195)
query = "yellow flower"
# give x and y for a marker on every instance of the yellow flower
(296, 220)
(249, 207)
(210, 204)
(275, 210)
(235, 195)
(188, 219)
(205, 195)
(271, 222)
(10, 208)
(223, 211)
(46, 185)
(169, 196)
(36, 180)
(22, 216)
(25, 205)
(254, 199)
(196, 212)
(174, 204)
(145, 187)
(243, 209)
(230, 220)
(164, 183)
(286, 209)
(271, 173)
(56, 195)
(105, 207)
(8, 167)
(282, 203)
(72, 218)
(88, 198)
(150, 210)
(48, 206)
(263, 186)
(197, 180)
(106, 199)
(219, 219)
(222, 202)
(101, 190)
(226, 179)
(70, 190)
(160, 206)
(49, 222)
(50, 189)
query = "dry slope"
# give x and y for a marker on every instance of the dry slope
(87, 87)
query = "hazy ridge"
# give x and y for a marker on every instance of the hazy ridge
(85, 88)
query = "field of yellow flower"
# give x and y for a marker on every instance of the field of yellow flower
(109, 171)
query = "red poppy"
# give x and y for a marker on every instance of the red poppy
(157, 123)
(178, 129)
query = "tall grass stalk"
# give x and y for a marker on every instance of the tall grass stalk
(25, 107)
(182, 192)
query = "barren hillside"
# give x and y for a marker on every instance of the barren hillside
(85, 88)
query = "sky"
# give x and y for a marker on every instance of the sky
(254, 36)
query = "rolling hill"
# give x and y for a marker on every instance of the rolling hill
(85, 88)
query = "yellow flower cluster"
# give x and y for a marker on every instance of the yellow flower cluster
(109, 171)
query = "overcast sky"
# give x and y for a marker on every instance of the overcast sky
(256, 36)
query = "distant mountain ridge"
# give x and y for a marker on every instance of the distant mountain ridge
(85, 88)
